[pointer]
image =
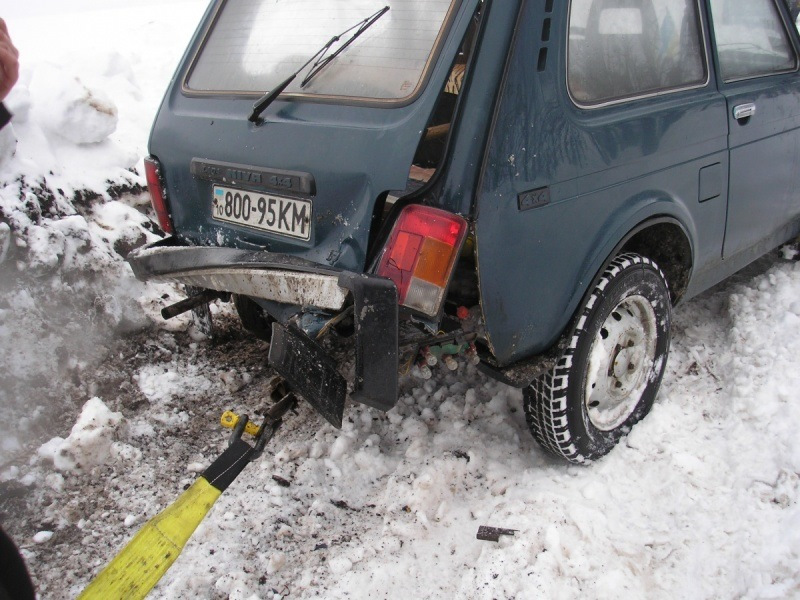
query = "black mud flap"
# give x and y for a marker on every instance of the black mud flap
(376, 323)
(310, 372)
(201, 315)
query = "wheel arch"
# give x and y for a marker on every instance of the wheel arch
(666, 242)
(656, 224)
(647, 239)
(660, 236)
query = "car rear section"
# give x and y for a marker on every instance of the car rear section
(326, 216)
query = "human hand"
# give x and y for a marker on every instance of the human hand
(9, 62)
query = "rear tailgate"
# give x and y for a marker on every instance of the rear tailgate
(312, 171)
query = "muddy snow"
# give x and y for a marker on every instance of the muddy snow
(110, 413)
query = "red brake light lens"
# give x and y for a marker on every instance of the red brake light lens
(420, 255)
(158, 196)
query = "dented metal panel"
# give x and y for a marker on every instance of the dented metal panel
(286, 287)
(274, 277)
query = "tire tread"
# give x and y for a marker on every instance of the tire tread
(545, 400)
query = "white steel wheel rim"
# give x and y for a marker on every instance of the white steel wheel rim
(620, 362)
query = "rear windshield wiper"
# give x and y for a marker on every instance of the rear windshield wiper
(362, 26)
(321, 62)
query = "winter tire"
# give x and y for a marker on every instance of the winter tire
(610, 373)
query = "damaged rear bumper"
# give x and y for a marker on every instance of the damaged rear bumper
(294, 281)
(260, 274)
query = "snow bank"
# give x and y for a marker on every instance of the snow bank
(72, 201)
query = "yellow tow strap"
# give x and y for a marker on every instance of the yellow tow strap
(147, 557)
(142, 563)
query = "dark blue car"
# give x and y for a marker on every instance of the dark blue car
(533, 184)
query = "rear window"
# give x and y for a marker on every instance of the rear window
(253, 45)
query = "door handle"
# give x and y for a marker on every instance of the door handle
(744, 111)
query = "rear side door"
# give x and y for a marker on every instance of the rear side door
(757, 66)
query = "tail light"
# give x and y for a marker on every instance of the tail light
(420, 255)
(158, 194)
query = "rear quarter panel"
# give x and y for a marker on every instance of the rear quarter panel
(606, 171)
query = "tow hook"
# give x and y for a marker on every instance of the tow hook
(262, 434)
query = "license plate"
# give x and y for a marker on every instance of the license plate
(276, 214)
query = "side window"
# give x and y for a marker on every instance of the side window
(625, 48)
(751, 39)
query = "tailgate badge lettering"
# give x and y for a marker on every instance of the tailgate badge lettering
(253, 176)
(244, 176)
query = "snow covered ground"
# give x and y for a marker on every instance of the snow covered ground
(109, 414)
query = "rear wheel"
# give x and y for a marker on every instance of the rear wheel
(608, 377)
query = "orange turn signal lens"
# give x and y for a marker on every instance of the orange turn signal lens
(420, 255)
